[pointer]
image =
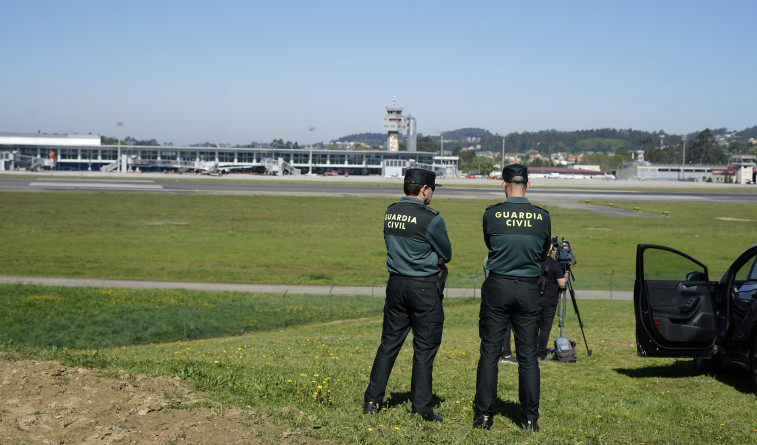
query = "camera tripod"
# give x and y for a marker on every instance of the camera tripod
(564, 298)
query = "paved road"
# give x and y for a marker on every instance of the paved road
(266, 288)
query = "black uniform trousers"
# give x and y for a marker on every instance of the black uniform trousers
(416, 305)
(546, 318)
(504, 301)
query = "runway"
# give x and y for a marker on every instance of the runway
(566, 193)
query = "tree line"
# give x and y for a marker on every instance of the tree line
(704, 149)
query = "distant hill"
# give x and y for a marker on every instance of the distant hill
(369, 139)
(463, 134)
(550, 141)
(747, 134)
(602, 140)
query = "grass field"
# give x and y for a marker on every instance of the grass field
(94, 318)
(328, 241)
(312, 378)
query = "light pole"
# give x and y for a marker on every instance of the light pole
(683, 159)
(118, 161)
(503, 150)
(311, 130)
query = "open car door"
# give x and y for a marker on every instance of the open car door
(673, 303)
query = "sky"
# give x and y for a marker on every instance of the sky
(237, 72)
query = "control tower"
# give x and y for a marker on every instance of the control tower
(412, 136)
(394, 123)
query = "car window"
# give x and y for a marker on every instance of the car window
(670, 266)
(748, 271)
(745, 281)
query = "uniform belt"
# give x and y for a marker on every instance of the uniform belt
(510, 277)
(430, 278)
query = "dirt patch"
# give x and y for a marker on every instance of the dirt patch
(733, 219)
(46, 402)
(335, 322)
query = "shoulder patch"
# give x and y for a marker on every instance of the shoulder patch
(434, 211)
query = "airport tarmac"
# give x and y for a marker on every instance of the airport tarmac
(536, 181)
(574, 194)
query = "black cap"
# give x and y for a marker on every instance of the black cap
(421, 176)
(515, 174)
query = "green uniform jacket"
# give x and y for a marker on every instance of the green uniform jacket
(416, 239)
(518, 235)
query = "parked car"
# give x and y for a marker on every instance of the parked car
(681, 313)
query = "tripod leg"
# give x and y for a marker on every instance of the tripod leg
(580, 323)
(561, 306)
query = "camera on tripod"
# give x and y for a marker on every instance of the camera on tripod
(563, 252)
(564, 256)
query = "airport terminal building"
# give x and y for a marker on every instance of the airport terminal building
(742, 170)
(35, 152)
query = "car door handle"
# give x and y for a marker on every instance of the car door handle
(690, 303)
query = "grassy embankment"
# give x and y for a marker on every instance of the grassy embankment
(311, 377)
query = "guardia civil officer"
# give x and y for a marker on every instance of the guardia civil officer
(518, 236)
(417, 248)
(553, 278)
